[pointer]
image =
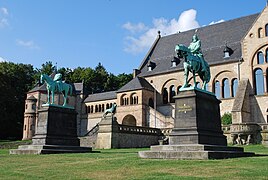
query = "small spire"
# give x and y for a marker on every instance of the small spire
(159, 33)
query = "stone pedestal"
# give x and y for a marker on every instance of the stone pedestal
(108, 128)
(56, 132)
(197, 119)
(197, 132)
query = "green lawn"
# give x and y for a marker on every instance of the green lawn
(125, 164)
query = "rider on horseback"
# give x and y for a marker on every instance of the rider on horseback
(195, 48)
(58, 80)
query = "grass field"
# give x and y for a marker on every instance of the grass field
(125, 164)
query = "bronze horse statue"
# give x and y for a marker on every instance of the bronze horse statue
(53, 87)
(193, 64)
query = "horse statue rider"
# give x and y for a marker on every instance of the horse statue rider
(56, 85)
(195, 48)
(58, 79)
(193, 62)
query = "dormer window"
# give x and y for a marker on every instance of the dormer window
(151, 65)
(227, 52)
(175, 61)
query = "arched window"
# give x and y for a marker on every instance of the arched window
(111, 104)
(266, 56)
(87, 109)
(266, 30)
(198, 85)
(91, 109)
(102, 107)
(151, 103)
(234, 87)
(260, 32)
(124, 100)
(172, 93)
(165, 96)
(260, 58)
(226, 89)
(217, 89)
(99, 107)
(207, 87)
(134, 99)
(96, 108)
(259, 82)
(107, 106)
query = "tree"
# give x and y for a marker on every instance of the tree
(16, 80)
(100, 78)
(123, 79)
(226, 119)
(47, 68)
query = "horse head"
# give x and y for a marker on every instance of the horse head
(41, 78)
(181, 51)
(45, 78)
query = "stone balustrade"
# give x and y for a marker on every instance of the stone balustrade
(138, 130)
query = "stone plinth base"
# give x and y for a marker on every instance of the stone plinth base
(49, 149)
(193, 151)
(56, 132)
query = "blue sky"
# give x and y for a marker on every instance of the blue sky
(117, 33)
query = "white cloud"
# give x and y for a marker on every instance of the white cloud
(216, 22)
(134, 28)
(4, 11)
(3, 22)
(28, 44)
(3, 17)
(139, 43)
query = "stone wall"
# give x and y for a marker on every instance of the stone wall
(114, 135)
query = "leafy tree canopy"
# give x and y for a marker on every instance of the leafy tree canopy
(17, 79)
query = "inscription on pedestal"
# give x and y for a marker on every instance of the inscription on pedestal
(184, 108)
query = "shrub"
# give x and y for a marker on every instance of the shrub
(226, 119)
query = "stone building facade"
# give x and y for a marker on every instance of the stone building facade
(237, 52)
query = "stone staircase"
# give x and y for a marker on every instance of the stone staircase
(90, 138)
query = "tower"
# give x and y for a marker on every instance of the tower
(29, 118)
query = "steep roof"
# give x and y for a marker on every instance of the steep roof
(136, 84)
(213, 38)
(101, 96)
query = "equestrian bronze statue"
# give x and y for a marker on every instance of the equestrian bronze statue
(194, 62)
(56, 85)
